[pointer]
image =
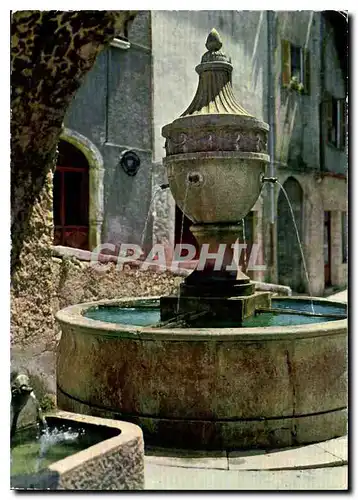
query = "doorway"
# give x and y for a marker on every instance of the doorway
(71, 198)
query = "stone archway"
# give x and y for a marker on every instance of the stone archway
(96, 173)
(289, 259)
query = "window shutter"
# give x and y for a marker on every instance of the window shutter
(342, 124)
(307, 71)
(328, 117)
(286, 62)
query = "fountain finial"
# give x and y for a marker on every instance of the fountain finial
(214, 54)
(213, 42)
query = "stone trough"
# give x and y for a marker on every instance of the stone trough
(115, 463)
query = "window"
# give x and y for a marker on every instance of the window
(295, 67)
(335, 122)
(344, 237)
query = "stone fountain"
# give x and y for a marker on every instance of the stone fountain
(216, 154)
(217, 365)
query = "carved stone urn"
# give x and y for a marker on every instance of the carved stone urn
(216, 154)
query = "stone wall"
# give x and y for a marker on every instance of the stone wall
(113, 110)
(298, 150)
(335, 160)
(320, 193)
(297, 115)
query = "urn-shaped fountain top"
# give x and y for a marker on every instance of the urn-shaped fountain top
(214, 94)
(214, 108)
(216, 152)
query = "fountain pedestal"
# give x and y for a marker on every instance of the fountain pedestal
(217, 287)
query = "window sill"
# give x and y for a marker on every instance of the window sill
(288, 89)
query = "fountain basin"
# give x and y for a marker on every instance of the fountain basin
(219, 388)
(114, 459)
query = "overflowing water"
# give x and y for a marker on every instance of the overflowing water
(299, 243)
(40, 416)
(48, 439)
(33, 450)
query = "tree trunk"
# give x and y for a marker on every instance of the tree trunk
(51, 51)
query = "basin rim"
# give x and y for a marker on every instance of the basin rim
(73, 317)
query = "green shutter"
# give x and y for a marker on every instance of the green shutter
(328, 117)
(342, 124)
(286, 62)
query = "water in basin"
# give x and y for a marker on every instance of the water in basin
(32, 452)
(125, 315)
(147, 316)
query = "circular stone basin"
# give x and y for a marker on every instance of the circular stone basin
(270, 386)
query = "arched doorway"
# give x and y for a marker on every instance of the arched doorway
(71, 197)
(289, 259)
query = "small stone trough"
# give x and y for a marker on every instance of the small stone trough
(116, 463)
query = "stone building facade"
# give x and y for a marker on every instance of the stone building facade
(287, 72)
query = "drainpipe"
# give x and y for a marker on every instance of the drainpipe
(322, 87)
(271, 121)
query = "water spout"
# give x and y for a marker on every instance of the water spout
(272, 180)
(21, 392)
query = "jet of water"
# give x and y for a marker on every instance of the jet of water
(299, 242)
(157, 190)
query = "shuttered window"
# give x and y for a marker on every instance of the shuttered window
(335, 122)
(295, 67)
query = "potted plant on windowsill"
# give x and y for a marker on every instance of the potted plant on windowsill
(296, 85)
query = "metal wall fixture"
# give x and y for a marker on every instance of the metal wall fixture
(130, 162)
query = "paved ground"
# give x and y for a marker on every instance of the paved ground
(159, 477)
(340, 296)
(322, 466)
